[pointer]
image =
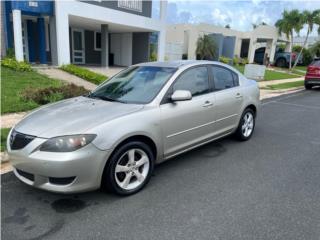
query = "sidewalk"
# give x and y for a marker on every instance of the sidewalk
(271, 82)
(59, 74)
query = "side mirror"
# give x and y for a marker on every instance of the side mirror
(181, 95)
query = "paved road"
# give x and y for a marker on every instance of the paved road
(267, 188)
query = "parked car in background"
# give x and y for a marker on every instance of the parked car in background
(144, 115)
(281, 59)
(312, 77)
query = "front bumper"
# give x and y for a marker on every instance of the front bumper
(67, 172)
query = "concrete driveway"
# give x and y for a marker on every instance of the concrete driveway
(266, 188)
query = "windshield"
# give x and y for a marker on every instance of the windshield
(134, 85)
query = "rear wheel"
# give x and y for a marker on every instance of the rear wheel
(307, 86)
(246, 125)
(129, 168)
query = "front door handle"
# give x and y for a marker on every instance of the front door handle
(207, 104)
(238, 95)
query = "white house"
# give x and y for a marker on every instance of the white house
(182, 40)
(83, 32)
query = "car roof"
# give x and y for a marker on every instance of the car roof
(175, 64)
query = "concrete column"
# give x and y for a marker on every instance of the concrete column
(163, 10)
(42, 40)
(104, 45)
(53, 41)
(62, 33)
(273, 50)
(192, 44)
(162, 32)
(252, 50)
(17, 31)
(161, 44)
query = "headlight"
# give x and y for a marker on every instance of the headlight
(67, 143)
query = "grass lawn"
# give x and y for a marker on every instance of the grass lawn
(14, 82)
(4, 134)
(281, 86)
(302, 68)
(271, 75)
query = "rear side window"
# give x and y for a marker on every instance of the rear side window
(224, 78)
(195, 80)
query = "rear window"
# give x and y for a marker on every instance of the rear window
(315, 63)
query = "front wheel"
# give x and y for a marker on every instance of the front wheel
(129, 168)
(246, 125)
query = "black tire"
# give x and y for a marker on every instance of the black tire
(307, 86)
(281, 62)
(109, 181)
(240, 135)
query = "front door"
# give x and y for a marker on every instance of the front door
(187, 123)
(78, 54)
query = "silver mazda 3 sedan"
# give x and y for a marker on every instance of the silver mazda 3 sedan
(146, 114)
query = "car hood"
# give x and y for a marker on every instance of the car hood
(72, 116)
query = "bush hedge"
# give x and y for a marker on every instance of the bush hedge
(16, 65)
(86, 74)
(52, 94)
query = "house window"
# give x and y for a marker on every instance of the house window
(134, 5)
(97, 41)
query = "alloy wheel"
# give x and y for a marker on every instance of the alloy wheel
(248, 124)
(132, 169)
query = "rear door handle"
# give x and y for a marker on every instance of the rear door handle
(207, 104)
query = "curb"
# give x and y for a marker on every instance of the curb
(4, 157)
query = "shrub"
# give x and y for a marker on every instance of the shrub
(307, 57)
(16, 65)
(153, 57)
(236, 61)
(10, 53)
(86, 74)
(52, 94)
(243, 61)
(225, 60)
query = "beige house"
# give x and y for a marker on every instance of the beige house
(181, 41)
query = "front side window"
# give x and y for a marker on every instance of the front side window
(194, 80)
(223, 78)
(134, 85)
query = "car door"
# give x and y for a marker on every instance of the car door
(228, 99)
(186, 123)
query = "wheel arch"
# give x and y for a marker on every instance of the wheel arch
(253, 108)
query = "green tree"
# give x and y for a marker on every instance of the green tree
(308, 18)
(315, 49)
(206, 48)
(290, 22)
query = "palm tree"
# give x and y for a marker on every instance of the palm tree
(290, 23)
(206, 48)
(309, 18)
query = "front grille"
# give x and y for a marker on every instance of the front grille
(26, 175)
(61, 181)
(19, 140)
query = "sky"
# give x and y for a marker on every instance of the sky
(240, 15)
